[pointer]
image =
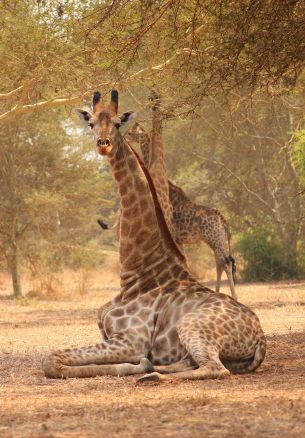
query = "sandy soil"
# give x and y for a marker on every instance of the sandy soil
(267, 403)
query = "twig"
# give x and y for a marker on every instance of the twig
(10, 94)
(219, 163)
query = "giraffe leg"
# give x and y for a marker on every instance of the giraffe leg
(202, 373)
(228, 269)
(182, 365)
(90, 361)
(201, 349)
(219, 271)
(119, 370)
(210, 367)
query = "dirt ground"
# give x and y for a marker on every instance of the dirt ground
(267, 403)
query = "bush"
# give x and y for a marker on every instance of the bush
(298, 153)
(266, 258)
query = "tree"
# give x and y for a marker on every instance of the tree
(299, 153)
(206, 57)
(201, 48)
(237, 156)
(49, 191)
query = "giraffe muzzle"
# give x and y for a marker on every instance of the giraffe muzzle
(103, 146)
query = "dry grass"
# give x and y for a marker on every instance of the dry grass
(269, 402)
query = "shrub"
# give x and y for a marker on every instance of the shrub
(266, 258)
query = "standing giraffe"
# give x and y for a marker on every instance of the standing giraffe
(163, 317)
(191, 223)
(155, 161)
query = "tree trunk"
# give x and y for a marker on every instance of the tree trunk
(14, 268)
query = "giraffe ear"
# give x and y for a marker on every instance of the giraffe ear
(84, 115)
(127, 117)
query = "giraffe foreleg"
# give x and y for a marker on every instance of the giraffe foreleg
(219, 271)
(100, 359)
(201, 373)
(182, 365)
(60, 371)
(202, 350)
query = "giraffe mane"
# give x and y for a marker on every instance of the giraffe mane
(159, 213)
(178, 189)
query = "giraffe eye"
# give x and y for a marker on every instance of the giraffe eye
(91, 125)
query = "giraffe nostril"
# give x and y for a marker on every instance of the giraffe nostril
(99, 142)
(107, 142)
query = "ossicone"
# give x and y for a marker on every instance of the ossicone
(96, 99)
(114, 101)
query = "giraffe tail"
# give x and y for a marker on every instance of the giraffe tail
(105, 226)
(102, 224)
(230, 258)
(248, 364)
(233, 263)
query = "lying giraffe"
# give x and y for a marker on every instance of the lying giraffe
(191, 222)
(163, 320)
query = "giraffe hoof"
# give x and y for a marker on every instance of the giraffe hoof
(52, 365)
(147, 365)
(149, 378)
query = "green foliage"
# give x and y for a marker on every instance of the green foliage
(87, 256)
(28, 302)
(266, 258)
(56, 49)
(50, 195)
(233, 156)
(299, 152)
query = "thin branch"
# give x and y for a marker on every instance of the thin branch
(57, 102)
(152, 23)
(248, 190)
(7, 96)
(161, 67)
(17, 110)
(293, 221)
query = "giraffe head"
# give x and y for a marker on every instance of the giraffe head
(105, 121)
(134, 134)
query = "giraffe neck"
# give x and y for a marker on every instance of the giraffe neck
(157, 166)
(144, 141)
(149, 257)
(156, 150)
(177, 196)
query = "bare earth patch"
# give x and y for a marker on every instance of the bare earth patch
(267, 403)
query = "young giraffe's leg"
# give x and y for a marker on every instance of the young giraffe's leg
(219, 271)
(218, 242)
(92, 361)
(223, 263)
(229, 271)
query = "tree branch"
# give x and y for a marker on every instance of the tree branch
(17, 110)
(7, 96)
(248, 190)
(57, 102)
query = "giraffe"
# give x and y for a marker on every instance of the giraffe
(192, 222)
(155, 160)
(164, 322)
